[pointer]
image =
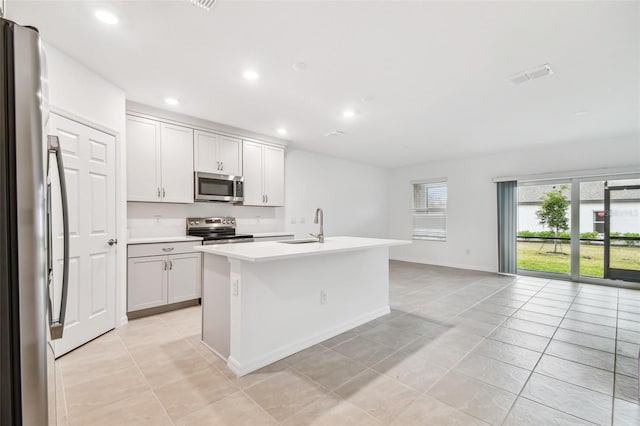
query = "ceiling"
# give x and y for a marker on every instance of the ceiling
(427, 80)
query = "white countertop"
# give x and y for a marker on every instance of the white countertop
(149, 240)
(272, 234)
(273, 250)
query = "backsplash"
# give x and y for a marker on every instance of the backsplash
(167, 220)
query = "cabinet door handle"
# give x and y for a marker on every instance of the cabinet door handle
(163, 193)
(222, 165)
(158, 192)
(170, 265)
(165, 264)
(167, 249)
(266, 197)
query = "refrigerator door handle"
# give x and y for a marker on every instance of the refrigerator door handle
(57, 327)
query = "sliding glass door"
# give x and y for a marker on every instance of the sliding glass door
(621, 230)
(582, 228)
(544, 240)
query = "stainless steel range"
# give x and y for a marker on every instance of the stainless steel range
(216, 230)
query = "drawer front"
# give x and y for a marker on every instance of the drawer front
(161, 249)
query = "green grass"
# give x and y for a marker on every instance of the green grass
(534, 256)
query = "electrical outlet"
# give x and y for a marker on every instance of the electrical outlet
(293, 220)
(302, 220)
(468, 251)
(234, 286)
(323, 297)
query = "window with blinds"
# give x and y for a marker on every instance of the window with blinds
(430, 211)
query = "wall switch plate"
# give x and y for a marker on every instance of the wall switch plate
(323, 297)
(234, 286)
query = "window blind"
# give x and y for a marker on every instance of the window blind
(430, 211)
(507, 226)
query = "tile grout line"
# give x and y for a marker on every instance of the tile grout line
(145, 378)
(541, 355)
(472, 349)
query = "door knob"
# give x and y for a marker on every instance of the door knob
(112, 242)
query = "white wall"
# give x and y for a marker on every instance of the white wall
(353, 196)
(472, 213)
(79, 93)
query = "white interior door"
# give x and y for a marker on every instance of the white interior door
(89, 163)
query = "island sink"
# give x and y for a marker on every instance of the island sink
(303, 241)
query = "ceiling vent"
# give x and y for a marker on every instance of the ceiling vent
(335, 133)
(205, 4)
(531, 74)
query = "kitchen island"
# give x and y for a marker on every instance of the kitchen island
(262, 302)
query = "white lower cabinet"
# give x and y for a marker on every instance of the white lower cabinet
(155, 280)
(184, 277)
(147, 282)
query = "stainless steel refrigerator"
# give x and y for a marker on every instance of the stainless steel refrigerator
(31, 310)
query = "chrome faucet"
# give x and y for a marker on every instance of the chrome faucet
(320, 236)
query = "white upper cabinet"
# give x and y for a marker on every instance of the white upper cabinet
(159, 161)
(263, 174)
(205, 152)
(143, 159)
(230, 154)
(273, 172)
(177, 164)
(217, 154)
(252, 159)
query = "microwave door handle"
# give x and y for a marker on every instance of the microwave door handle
(57, 327)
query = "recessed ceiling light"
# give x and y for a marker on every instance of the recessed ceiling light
(335, 133)
(531, 74)
(251, 75)
(106, 17)
(282, 131)
(579, 113)
(348, 113)
(299, 66)
(171, 101)
(368, 99)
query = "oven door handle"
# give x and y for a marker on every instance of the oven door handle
(56, 328)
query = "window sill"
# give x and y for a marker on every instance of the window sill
(444, 240)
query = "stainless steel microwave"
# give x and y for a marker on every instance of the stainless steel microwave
(216, 187)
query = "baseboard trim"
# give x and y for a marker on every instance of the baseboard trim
(241, 369)
(160, 309)
(447, 265)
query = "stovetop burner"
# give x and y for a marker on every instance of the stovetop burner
(216, 230)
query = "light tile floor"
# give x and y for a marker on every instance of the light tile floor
(459, 347)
